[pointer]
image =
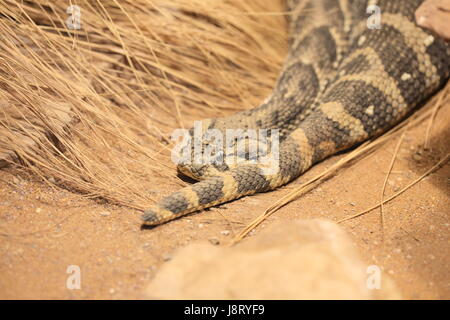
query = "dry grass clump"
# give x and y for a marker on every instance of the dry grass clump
(92, 110)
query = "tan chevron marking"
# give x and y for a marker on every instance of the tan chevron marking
(163, 214)
(305, 150)
(336, 112)
(191, 196)
(230, 185)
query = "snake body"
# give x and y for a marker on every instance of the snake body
(341, 84)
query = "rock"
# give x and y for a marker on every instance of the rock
(305, 259)
(434, 15)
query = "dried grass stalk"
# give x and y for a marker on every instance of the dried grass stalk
(92, 110)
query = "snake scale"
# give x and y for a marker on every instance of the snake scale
(341, 84)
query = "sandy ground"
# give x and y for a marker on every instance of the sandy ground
(45, 230)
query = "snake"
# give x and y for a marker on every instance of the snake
(347, 78)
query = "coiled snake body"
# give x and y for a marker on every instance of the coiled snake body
(342, 83)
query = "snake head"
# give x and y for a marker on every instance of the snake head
(199, 154)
